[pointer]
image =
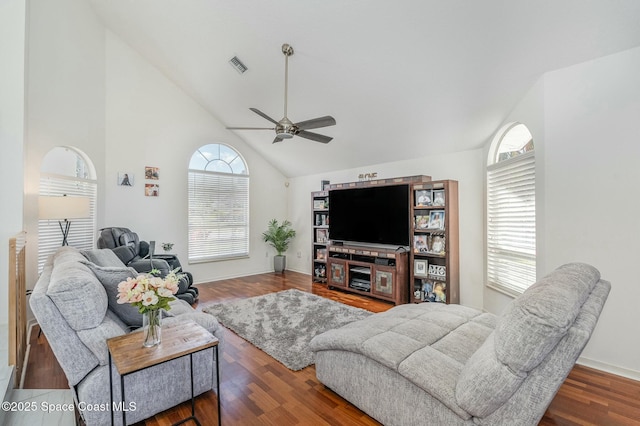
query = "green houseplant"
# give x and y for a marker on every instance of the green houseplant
(279, 236)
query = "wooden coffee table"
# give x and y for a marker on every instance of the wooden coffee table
(128, 355)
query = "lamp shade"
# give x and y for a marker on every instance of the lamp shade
(65, 207)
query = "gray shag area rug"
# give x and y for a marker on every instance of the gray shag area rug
(282, 324)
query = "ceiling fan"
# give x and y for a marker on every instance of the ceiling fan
(285, 128)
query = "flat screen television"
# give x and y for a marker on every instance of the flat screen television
(375, 215)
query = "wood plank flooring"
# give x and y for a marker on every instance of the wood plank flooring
(258, 390)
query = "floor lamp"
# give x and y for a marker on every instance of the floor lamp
(63, 208)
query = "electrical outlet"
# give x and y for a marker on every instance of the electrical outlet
(299, 254)
(266, 254)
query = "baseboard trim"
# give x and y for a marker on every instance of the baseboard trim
(612, 369)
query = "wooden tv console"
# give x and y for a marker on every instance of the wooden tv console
(375, 272)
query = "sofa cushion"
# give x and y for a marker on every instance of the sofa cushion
(110, 277)
(76, 291)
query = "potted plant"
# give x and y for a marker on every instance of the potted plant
(279, 236)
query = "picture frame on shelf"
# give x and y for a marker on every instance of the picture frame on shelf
(423, 197)
(321, 254)
(319, 204)
(437, 245)
(420, 267)
(422, 222)
(438, 198)
(436, 219)
(322, 235)
(440, 292)
(420, 244)
(437, 271)
(427, 291)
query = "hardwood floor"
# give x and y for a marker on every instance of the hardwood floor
(258, 390)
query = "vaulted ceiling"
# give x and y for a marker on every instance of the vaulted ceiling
(403, 79)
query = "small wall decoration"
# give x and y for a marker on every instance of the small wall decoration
(151, 189)
(125, 179)
(423, 197)
(152, 173)
(420, 267)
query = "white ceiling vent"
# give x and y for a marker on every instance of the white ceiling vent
(238, 65)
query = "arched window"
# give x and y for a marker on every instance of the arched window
(66, 171)
(218, 204)
(511, 210)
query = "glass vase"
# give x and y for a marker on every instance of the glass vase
(151, 326)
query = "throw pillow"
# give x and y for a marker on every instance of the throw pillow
(102, 257)
(110, 277)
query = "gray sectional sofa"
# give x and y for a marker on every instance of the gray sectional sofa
(70, 302)
(436, 364)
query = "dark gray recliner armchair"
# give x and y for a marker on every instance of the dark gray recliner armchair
(135, 253)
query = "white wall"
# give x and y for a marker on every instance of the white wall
(587, 152)
(592, 174)
(65, 97)
(12, 101)
(465, 167)
(151, 122)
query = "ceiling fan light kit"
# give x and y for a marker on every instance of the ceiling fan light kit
(285, 128)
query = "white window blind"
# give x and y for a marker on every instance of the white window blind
(218, 215)
(511, 223)
(82, 232)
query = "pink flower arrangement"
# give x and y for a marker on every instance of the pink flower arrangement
(148, 292)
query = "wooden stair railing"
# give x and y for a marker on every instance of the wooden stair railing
(17, 304)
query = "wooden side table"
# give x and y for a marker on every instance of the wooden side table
(128, 355)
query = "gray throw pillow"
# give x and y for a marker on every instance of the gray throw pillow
(110, 277)
(102, 257)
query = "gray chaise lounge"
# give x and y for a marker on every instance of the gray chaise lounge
(435, 364)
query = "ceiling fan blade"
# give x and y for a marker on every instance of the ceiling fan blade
(263, 115)
(314, 136)
(250, 128)
(315, 123)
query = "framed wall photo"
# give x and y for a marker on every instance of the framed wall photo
(322, 235)
(125, 179)
(152, 173)
(423, 197)
(436, 219)
(151, 189)
(420, 267)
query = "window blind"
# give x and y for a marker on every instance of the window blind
(511, 224)
(218, 215)
(82, 232)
